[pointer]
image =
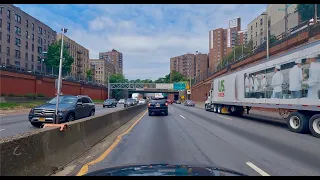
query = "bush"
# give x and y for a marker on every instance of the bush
(31, 96)
(11, 95)
(41, 95)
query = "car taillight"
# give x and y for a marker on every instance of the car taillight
(166, 104)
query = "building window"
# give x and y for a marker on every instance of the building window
(17, 30)
(32, 58)
(27, 34)
(27, 23)
(0, 22)
(32, 47)
(256, 24)
(261, 22)
(0, 10)
(39, 30)
(18, 42)
(8, 51)
(17, 18)
(27, 45)
(32, 37)
(8, 26)
(32, 25)
(8, 38)
(251, 28)
(17, 53)
(8, 13)
(45, 32)
(44, 48)
(39, 49)
(44, 41)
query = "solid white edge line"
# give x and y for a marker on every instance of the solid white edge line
(182, 117)
(224, 117)
(2, 129)
(254, 167)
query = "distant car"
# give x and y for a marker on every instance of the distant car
(158, 106)
(142, 101)
(178, 102)
(169, 101)
(129, 102)
(121, 101)
(189, 103)
(110, 103)
(70, 108)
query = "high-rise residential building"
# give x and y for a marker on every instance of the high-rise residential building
(202, 63)
(101, 70)
(80, 55)
(23, 39)
(276, 18)
(242, 37)
(257, 30)
(115, 57)
(184, 64)
(222, 41)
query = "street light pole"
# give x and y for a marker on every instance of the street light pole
(59, 77)
(315, 13)
(267, 44)
(109, 85)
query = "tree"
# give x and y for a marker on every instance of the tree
(53, 57)
(272, 38)
(89, 74)
(177, 77)
(306, 11)
(117, 78)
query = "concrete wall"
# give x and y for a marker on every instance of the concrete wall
(43, 151)
(200, 89)
(24, 83)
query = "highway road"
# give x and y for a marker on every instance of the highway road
(15, 124)
(190, 135)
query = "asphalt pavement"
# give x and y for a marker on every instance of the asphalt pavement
(193, 136)
(15, 124)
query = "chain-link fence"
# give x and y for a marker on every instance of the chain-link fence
(256, 41)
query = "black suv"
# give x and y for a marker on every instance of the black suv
(158, 106)
(110, 103)
(70, 108)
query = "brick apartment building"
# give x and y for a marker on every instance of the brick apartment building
(115, 57)
(202, 63)
(80, 55)
(185, 64)
(222, 41)
(23, 38)
(101, 70)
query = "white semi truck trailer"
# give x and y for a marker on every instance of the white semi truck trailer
(259, 85)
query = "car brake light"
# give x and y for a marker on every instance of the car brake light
(166, 104)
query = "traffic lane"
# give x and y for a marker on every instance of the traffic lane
(12, 119)
(175, 140)
(12, 125)
(275, 148)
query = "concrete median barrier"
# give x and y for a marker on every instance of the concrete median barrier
(44, 151)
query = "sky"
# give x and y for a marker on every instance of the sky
(148, 35)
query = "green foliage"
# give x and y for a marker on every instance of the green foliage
(89, 73)
(53, 57)
(272, 38)
(117, 78)
(306, 11)
(177, 77)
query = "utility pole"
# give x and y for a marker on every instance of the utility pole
(108, 85)
(59, 78)
(315, 13)
(285, 20)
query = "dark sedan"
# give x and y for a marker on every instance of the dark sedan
(189, 103)
(110, 103)
(158, 106)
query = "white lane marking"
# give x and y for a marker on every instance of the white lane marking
(225, 117)
(171, 109)
(2, 129)
(254, 167)
(182, 117)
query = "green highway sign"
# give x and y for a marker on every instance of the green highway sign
(179, 86)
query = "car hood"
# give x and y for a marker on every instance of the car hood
(53, 106)
(164, 170)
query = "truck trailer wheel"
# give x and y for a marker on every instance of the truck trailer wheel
(298, 122)
(214, 108)
(219, 109)
(314, 125)
(206, 107)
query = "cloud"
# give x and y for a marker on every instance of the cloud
(147, 35)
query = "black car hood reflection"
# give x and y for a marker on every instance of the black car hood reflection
(164, 170)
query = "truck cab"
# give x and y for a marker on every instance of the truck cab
(208, 103)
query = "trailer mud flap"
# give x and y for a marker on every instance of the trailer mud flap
(224, 110)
